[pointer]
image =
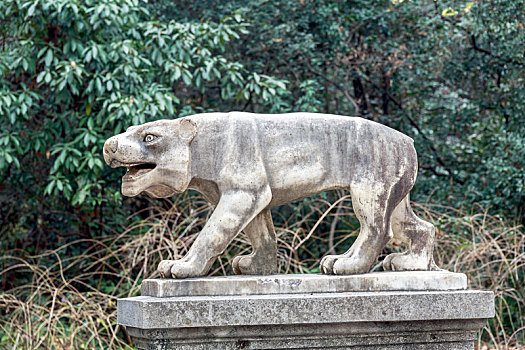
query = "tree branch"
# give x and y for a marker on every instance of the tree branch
(477, 48)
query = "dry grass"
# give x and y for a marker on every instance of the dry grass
(68, 301)
(491, 252)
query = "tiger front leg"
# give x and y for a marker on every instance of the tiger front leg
(234, 211)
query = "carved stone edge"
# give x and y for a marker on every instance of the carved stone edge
(147, 312)
(306, 283)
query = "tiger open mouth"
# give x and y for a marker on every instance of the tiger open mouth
(137, 170)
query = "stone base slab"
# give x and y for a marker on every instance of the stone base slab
(439, 319)
(314, 283)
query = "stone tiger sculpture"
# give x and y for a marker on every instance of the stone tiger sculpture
(245, 163)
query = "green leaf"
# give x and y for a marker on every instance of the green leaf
(49, 187)
(31, 9)
(186, 77)
(98, 83)
(49, 57)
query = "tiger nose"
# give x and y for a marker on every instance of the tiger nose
(111, 145)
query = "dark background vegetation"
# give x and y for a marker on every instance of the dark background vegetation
(450, 74)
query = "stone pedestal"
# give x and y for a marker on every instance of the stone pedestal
(384, 310)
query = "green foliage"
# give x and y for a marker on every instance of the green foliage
(72, 73)
(447, 73)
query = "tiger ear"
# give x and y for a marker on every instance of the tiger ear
(187, 129)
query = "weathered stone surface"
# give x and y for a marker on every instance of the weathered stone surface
(246, 163)
(411, 335)
(293, 284)
(278, 309)
(352, 320)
